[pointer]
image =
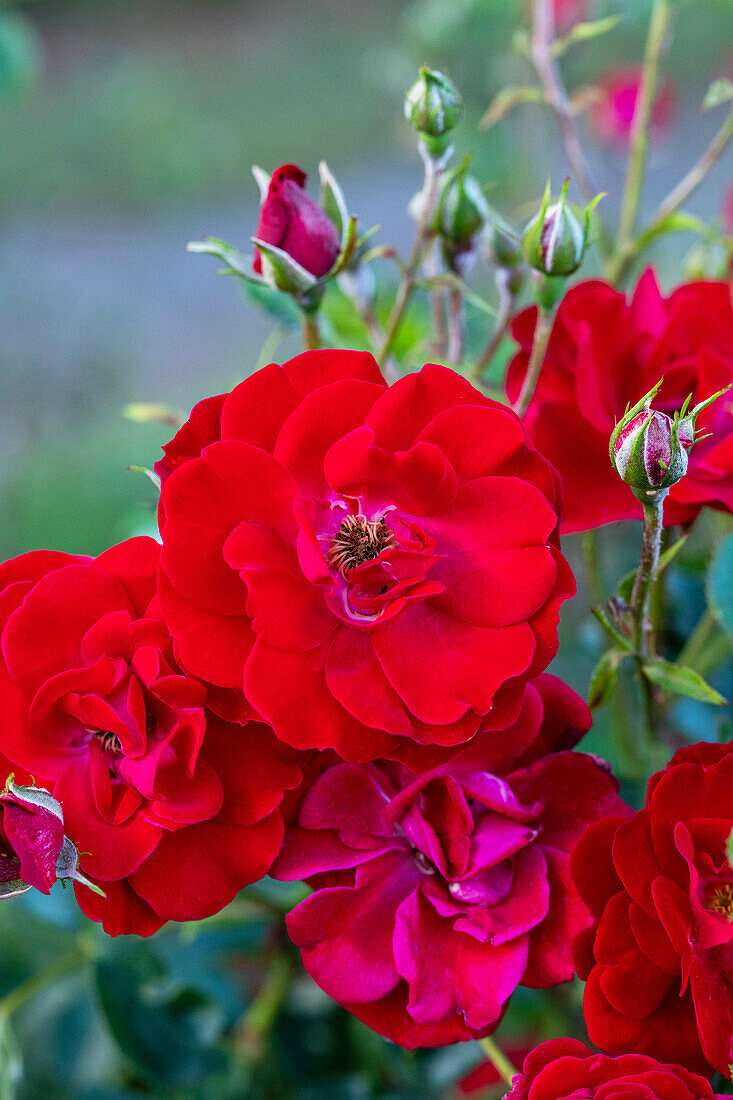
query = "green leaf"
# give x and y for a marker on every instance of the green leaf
(146, 412)
(678, 222)
(679, 680)
(583, 32)
(720, 91)
(720, 585)
(507, 98)
(603, 676)
(168, 1030)
(277, 305)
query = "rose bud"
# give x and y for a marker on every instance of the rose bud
(462, 212)
(554, 242)
(292, 222)
(434, 106)
(33, 849)
(649, 449)
(500, 244)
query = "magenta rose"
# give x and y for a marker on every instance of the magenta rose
(321, 530)
(173, 809)
(437, 892)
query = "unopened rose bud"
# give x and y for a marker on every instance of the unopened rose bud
(501, 245)
(295, 225)
(31, 839)
(434, 107)
(649, 450)
(554, 242)
(461, 214)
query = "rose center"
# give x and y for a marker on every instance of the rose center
(357, 540)
(109, 741)
(721, 899)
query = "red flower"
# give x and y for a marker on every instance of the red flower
(293, 222)
(172, 809)
(605, 354)
(613, 115)
(372, 564)
(438, 891)
(659, 957)
(564, 1069)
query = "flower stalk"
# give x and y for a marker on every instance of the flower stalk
(543, 328)
(498, 1059)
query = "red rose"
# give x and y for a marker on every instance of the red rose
(659, 956)
(613, 115)
(371, 564)
(438, 891)
(293, 222)
(605, 354)
(173, 809)
(564, 1069)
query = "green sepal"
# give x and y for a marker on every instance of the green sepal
(679, 680)
(603, 676)
(281, 271)
(237, 263)
(333, 202)
(150, 474)
(347, 250)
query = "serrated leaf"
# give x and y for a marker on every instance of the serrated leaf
(678, 680)
(720, 91)
(507, 98)
(720, 585)
(583, 32)
(603, 676)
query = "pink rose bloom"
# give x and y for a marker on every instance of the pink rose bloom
(439, 891)
(612, 117)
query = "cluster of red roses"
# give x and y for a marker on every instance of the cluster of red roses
(332, 669)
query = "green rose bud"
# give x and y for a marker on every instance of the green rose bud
(554, 242)
(461, 213)
(434, 106)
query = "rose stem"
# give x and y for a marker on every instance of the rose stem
(257, 1023)
(680, 193)
(503, 317)
(456, 328)
(310, 330)
(430, 194)
(28, 989)
(641, 594)
(542, 331)
(658, 27)
(498, 1059)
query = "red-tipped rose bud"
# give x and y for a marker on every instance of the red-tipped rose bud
(31, 839)
(554, 242)
(649, 449)
(291, 221)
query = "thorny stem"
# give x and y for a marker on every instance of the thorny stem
(543, 36)
(430, 194)
(456, 328)
(310, 330)
(503, 316)
(644, 641)
(543, 328)
(657, 33)
(498, 1059)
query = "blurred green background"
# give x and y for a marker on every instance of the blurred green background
(127, 129)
